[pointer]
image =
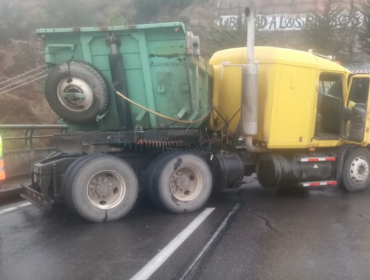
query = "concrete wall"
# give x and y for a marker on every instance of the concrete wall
(281, 20)
(277, 6)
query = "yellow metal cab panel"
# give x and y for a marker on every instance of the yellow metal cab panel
(288, 91)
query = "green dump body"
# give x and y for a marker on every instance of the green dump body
(160, 70)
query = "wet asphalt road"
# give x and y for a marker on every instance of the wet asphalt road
(317, 234)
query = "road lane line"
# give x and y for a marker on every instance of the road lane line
(190, 272)
(162, 256)
(14, 208)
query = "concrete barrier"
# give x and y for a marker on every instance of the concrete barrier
(18, 163)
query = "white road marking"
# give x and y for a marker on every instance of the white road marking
(162, 256)
(189, 273)
(14, 208)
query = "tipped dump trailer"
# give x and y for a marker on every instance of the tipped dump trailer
(146, 111)
(157, 65)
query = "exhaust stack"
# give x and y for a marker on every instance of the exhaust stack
(250, 82)
(249, 108)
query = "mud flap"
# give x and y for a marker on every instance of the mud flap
(40, 200)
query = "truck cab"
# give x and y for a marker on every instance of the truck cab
(305, 101)
(313, 116)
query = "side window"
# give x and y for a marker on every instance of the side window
(331, 84)
(359, 91)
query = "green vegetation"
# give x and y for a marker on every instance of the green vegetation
(321, 32)
(334, 31)
(115, 17)
(151, 7)
(364, 32)
(19, 21)
(350, 34)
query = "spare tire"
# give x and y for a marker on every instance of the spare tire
(77, 92)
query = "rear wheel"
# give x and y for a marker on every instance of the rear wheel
(150, 175)
(356, 171)
(101, 188)
(180, 182)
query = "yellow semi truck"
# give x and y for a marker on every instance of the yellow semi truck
(146, 110)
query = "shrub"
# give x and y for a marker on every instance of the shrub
(151, 7)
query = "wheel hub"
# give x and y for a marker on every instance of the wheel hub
(186, 184)
(103, 186)
(106, 190)
(75, 94)
(359, 170)
(183, 182)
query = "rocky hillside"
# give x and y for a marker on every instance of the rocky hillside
(25, 104)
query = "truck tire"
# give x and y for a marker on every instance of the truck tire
(356, 171)
(180, 182)
(67, 174)
(77, 92)
(101, 188)
(150, 175)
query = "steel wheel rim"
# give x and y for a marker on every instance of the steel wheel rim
(186, 183)
(106, 189)
(75, 94)
(359, 170)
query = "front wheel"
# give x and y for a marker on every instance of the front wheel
(181, 182)
(101, 188)
(356, 171)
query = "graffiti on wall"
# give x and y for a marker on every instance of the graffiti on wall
(290, 22)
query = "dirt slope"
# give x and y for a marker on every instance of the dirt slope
(25, 104)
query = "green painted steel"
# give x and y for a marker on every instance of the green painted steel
(160, 71)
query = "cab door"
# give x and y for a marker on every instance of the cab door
(356, 117)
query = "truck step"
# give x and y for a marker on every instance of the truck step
(319, 183)
(317, 159)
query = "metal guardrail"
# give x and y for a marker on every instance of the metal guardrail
(30, 129)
